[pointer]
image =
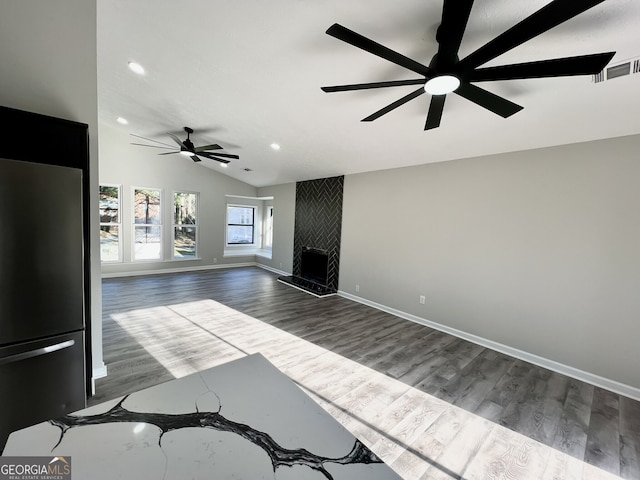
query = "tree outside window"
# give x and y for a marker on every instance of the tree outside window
(185, 225)
(147, 224)
(110, 227)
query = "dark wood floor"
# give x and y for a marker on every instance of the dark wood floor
(429, 404)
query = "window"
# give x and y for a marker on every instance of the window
(110, 244)
(185, 225)
(147, 224)
(268, 228)
(240, 225)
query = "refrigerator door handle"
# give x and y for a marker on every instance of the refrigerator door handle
(37, 352)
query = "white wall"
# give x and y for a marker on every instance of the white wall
(536, 250)
(133, 166)
(48, 58)
(284, 212)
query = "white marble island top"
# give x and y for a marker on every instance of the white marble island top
(240, 420)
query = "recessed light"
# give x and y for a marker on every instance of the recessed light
(136, 67)
(275, 146)
(441, 85)
(122, 121)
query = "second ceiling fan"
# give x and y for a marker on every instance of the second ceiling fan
(446, 73)
(186, 147)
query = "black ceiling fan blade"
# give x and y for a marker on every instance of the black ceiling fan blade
(212, 156)
(490, 101)
(549, 16)
(177, 140)
(154, 146)
(455, 15)
(366, 86)
(557, 67)
(436, 108)
(394, 105)
(170, 153)
(227, 155)
(357, 40)
(195, 158)
(213, 146)
(150, 140)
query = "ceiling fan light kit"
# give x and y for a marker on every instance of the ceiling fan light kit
(442, 84)
(446, 73)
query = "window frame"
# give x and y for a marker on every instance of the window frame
(117, 224)
(254, 233)
(190, 225)
(159, 225)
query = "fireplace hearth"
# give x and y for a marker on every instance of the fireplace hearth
(314, 273)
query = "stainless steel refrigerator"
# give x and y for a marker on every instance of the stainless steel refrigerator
(42, 294)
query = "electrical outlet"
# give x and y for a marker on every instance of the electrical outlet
(357, 288)
(422, 299)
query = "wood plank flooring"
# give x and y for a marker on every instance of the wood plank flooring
(431, 405)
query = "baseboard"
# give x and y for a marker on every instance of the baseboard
(177, 270)
(274, 270)
(608, 384)
(100, 371)
(97, 372)
(192, 269)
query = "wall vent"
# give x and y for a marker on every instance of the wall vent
(622, 69)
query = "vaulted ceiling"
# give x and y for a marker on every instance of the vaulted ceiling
(246, 74)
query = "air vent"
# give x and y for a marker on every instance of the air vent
(620, 70)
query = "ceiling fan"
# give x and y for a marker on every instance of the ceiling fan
(188, 149)
(446, 73)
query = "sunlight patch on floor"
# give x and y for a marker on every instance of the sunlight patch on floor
(415, 433)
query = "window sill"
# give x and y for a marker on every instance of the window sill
(170, 260)
(264, 253)
(244, 252)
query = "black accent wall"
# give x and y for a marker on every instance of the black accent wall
(318, 222)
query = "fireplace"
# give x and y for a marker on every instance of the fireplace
(314, 265)
(313, 275)
(317, 236)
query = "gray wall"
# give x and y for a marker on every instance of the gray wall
(48, 58)
(133, 166)
(537, 250)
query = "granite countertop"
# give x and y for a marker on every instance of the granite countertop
(243, 420)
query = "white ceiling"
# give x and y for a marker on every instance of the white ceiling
(247, 73)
